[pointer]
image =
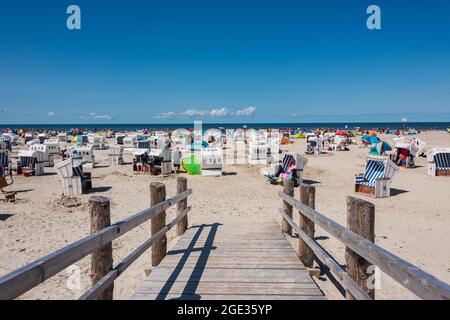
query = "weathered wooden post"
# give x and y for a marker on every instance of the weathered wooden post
(361, 220)
(181, 205)
(288, 188)
(101, 259)
(307, 197)
(157, 195)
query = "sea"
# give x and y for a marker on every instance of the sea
(205, 126)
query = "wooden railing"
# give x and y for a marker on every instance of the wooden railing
(98, 244)
(360, 253)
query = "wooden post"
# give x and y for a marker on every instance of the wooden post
(181, 205)
(288, 188)
(307, 197)
(361, 220)
(159, 249)
(101, 259)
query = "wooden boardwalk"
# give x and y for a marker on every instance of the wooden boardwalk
(215, 261)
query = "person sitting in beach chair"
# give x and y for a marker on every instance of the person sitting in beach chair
(291, 168)
(377, 176)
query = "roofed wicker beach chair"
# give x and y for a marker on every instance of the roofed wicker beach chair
(285, 169)
(439, 162)
(116, 155)
(377, 177)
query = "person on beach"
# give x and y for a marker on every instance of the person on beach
(3, 183)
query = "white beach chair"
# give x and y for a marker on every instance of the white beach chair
(258, 150)
(438, 162)
(116, 155)
(130, 142)
(53, 146)
(211, 162)
(47, 158)
(31, 162)
(75, 182)
(377, 177)
(84, 152)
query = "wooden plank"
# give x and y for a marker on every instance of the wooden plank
(421, 283)
(215, 290)
(226, 297)
(256, 273)
(203, 284)
(225, 278)
(244, 265)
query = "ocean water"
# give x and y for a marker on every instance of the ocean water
(172, 126)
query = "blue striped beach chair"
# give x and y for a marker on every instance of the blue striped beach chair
(439, 162)
(377, 176)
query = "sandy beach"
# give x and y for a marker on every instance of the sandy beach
(413, 223)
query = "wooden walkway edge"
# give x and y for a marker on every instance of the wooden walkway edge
(213, 261)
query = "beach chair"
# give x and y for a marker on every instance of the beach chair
(75, 182)
(130, 142)
(438, 162)
(296, 173)
(97, 142)
(258, 150)
(31, 163)
(377, 177)
(86, 152)
(211, 162)
(53, 146)
(116, 155)
(5, 158)
(47, 157)
(162, 157)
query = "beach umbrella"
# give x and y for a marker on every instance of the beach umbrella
(380, 148)
(341, 133)
(373, 133)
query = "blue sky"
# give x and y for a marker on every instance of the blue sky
(224, 61)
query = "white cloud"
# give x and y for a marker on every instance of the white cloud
(213, 113)
(103, 117)
(165, 115)
(52, 114)
(249, 111)
(92, 114)
(222, 112)
(195, 112)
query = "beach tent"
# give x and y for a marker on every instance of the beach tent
(192, 165)
(380, 148)
(285, 140)
(370, 139)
